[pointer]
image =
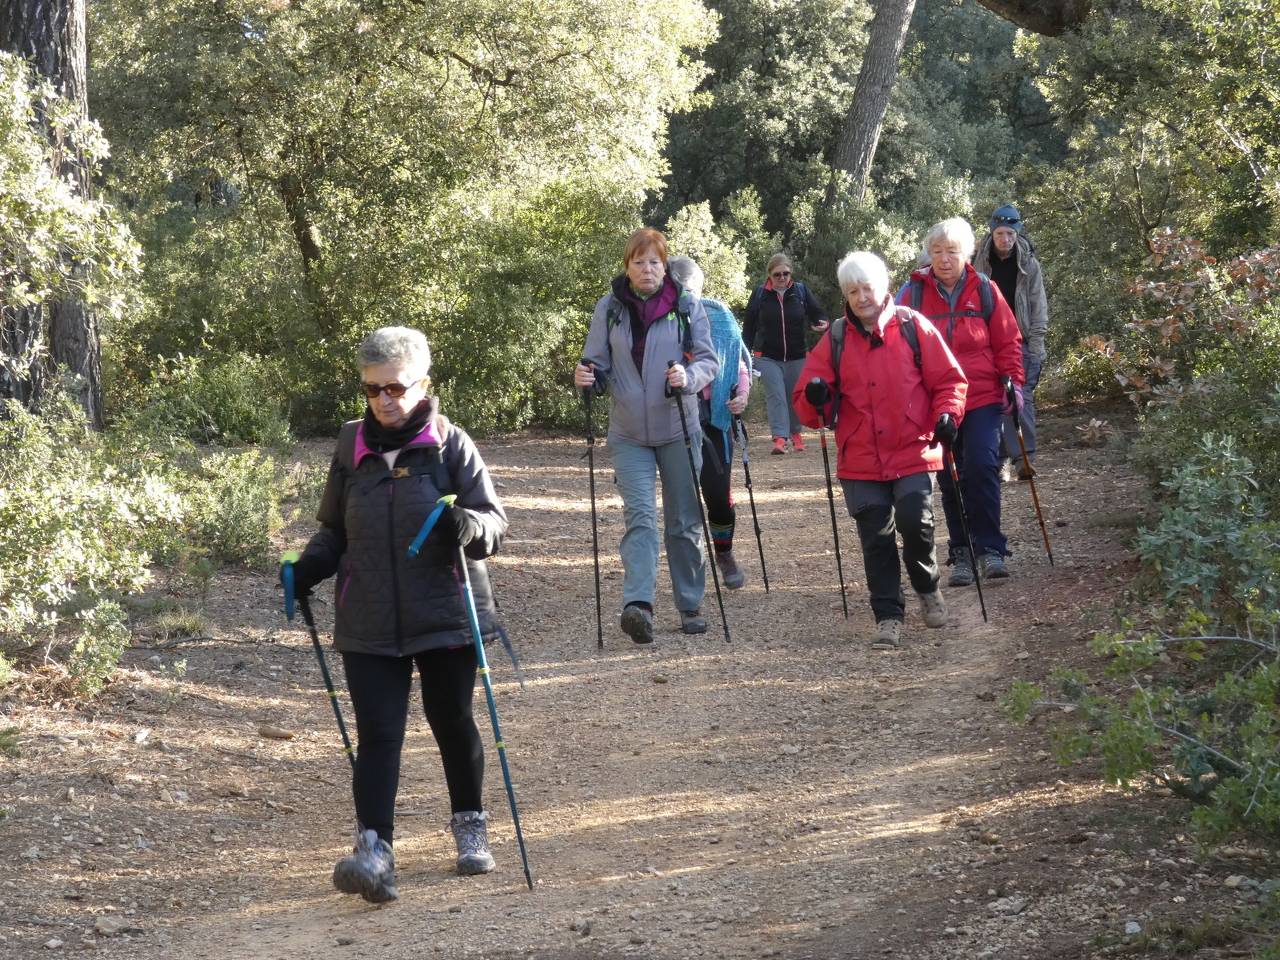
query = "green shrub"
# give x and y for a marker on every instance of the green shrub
(70, 527)
(232, 507)
(1088, 371)
(236, 399)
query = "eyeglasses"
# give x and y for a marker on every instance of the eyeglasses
(780, 274)
(393, 390)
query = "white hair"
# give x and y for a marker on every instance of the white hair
(952, 230)
(863, 267)
(686, 272)
(402, 346)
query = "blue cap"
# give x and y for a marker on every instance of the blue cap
(1006, 216)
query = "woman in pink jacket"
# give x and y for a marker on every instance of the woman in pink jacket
(896, 394)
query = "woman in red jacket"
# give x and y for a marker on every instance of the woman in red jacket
(971, 314)
(897, 392)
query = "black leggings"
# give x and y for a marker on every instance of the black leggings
(379, 689)
(717, 466)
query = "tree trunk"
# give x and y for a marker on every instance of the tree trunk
(50, 34)
(862, 124)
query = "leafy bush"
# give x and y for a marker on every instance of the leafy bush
(232, 508)
(70, 527)
(236, 399)
(1088, 371)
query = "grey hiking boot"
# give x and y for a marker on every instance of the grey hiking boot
(992, 567)
(961, 568)
(934, 609)
(731, 574)
(637, 623)
(888, 633)
(370, 870)
(692, 621)
(472, 838)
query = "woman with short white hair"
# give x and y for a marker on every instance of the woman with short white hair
(971, 314)
(394, 612)
(886, 379)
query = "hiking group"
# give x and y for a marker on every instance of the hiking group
(911, 388)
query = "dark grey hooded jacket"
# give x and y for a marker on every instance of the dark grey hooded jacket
(1030, 306)
(385, 602)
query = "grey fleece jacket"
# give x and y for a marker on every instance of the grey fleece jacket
(1030, 306)
(640, 412)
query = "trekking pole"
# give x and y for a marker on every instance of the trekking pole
(304, 604)
(831, 501)
(741, 429)
(950, 460)
(482, 664)
(1031, 472)
(697, 492)
(595, 530)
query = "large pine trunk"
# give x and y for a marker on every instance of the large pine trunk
(861, 134)
(50, 34)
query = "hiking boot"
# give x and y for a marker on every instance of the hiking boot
(637, 623)
(692, 621)
(992, 567)
(797, 443)
(779, 446)
(370, 870)
(888, 633)
(731, 574)
(472, 837)
(934, 609)
(961, 568)
(1026, 472)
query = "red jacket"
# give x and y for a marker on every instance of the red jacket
(987, 349)
(887, 405)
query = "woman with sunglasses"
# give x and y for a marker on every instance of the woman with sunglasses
(778, 314)
(394, 612)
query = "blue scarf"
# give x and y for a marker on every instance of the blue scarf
(726, 337)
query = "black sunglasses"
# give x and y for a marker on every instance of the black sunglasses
(779, 274)
(394, 390)
(1006, 221)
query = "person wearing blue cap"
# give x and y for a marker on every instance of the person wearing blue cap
(1006, 256)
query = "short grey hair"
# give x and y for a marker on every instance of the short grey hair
(861, 266)
(952, 230)
(686, 272)
(402, 346)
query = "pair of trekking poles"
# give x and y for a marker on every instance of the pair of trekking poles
(949, 461)
(740, 429)
(482, 663)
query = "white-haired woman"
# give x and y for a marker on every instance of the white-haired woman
(971, 314)
(394, 612)
(897, 391)
(779, 313)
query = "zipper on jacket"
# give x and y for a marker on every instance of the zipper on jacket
(395, 576)
(782, 322)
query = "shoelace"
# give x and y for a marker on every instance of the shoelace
(471, 839)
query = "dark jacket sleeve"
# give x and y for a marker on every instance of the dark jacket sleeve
(813, 309)
(476, 494)
(752, 320)
(327, 545)
(1006, 339)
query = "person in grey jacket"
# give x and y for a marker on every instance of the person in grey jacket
(394, 612)
(1005, 255)
(649, 346)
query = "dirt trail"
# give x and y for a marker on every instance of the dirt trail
(792, 794)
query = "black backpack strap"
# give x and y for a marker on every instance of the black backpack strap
(915, 293)
(347, 446)
(912, 335)
(836, 332)
(985, 297)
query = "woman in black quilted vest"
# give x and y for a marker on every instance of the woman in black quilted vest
(394, 612)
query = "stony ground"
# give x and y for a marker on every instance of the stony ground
(791, 794)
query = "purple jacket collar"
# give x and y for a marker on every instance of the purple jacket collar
(428, 437)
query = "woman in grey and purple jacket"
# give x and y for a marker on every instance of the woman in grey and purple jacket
(649, 336)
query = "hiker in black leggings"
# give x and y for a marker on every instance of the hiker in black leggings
(396, 608)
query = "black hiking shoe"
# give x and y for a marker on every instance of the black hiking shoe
(731, 575)
(993, 567)
(370, 870)
(637, 623)
(961, 568)
(692, 621)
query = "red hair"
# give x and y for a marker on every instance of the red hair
(644, 239)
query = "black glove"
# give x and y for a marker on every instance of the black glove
(460, 524)
(306, 575)
(817, 392)
(945, 430)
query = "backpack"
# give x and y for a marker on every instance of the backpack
(986, 299)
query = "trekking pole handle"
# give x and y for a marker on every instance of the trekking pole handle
(586, 391)
(667, 389)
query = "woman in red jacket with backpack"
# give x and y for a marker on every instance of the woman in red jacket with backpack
(894, 390)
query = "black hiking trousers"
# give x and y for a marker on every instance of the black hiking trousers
(883, 511)
(379, 689)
